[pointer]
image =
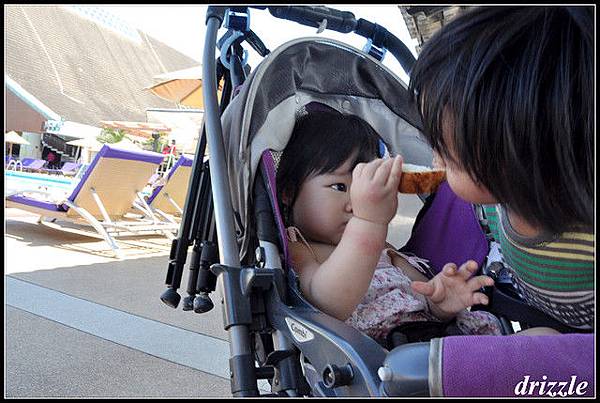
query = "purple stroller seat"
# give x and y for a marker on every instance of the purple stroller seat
(441, 237)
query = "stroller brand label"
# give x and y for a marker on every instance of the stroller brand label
(300, 333)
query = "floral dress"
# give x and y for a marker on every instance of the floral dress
(390, 300)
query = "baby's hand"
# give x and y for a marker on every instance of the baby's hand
(374, 190)
(451, 290)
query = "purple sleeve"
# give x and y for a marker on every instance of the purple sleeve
(550, 366)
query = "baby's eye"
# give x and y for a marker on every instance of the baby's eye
(340, 187)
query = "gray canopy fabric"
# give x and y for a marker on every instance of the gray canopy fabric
(305, 70)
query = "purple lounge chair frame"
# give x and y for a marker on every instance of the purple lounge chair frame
(33, 165)
(93, 206)
(151, 208)
(68, 169)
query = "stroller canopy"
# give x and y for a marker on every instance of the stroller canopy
(263, 114)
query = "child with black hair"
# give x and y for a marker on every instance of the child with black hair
(337, 200)
(506, 96)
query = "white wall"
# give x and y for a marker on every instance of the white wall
(34, 149)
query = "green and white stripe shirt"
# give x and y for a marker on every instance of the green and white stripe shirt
(554, 274)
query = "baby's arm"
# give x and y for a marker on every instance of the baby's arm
(452, 290)
(338, 284)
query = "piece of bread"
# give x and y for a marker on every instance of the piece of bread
(420, 179)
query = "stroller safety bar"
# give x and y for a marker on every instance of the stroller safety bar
(345, 22)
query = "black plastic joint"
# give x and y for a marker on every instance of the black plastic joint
(215, 12)
(243, 376)
(237, 19)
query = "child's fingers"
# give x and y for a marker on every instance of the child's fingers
(371, 167)
(423, 288)
(396, 174)
(449, 269)
(478, 282)
(479, 298)
(358, 171)
(467, 269)
(383, 172)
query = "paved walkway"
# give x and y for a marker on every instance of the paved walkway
(80, 323)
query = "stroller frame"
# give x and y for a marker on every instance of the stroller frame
(261, 324)
(274, 333)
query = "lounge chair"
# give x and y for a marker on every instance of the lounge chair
(33, 165)
(103, 196)
(168, 198)
(68, 169)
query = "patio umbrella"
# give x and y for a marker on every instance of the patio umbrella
(13, 138)
(182, 86)
(127, 144)
(89, 143)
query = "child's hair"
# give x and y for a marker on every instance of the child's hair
(514, 88)
(322, 140)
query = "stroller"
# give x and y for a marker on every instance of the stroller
(232, 222)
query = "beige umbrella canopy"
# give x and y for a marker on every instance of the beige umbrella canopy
(182, 86)
(13, 138)
(89, 143)
(127, 144)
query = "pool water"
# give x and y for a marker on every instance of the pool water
(55, 185)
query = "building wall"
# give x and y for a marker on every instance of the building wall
(34, 149)
(19, 116)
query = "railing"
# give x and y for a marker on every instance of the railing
(13, 165)
(168, 162)
(58, 144)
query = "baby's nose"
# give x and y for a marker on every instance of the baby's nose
(348, 206)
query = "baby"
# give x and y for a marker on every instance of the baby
(337, 199)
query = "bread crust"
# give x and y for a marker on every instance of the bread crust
(421, 181)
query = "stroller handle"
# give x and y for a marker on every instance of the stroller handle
(312, 16)
(345, 22)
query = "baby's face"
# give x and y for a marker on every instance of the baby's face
(322, 208)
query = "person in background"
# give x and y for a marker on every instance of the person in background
(170, 153)
(170, 149)
(51, 158)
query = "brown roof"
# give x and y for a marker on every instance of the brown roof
(81, 69)
(424, 21)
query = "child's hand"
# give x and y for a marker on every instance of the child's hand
(452, 290)
(374, 190)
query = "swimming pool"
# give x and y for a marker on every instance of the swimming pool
(55, 185)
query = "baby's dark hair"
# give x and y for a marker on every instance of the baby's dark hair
(514, 88)
(321, 142)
